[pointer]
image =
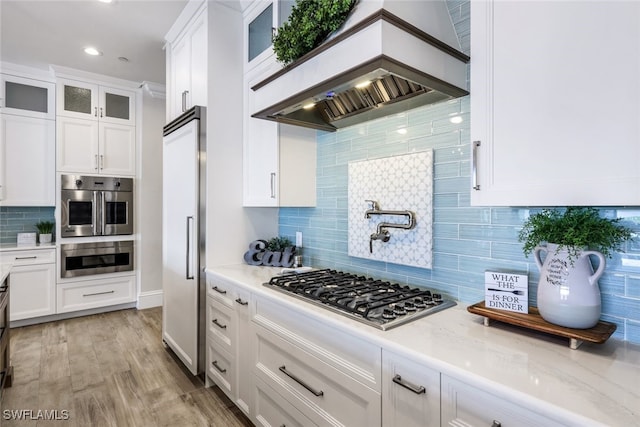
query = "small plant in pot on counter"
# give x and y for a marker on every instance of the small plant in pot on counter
(568, 292)
(45, 229)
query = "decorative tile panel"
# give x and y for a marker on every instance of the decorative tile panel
(398, 183)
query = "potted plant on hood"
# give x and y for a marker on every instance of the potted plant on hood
(568, 292)
(45, 229)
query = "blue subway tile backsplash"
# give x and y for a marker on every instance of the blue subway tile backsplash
(467, 240)
(14, 220)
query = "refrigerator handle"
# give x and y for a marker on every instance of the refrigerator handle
(189, 273)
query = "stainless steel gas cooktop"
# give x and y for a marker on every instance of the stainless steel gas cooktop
(377, 303)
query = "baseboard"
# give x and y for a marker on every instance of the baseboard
(149, 299)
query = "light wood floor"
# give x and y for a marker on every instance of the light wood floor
(108, 369)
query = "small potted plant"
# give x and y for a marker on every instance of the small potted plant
(45, 229)
(568, 292)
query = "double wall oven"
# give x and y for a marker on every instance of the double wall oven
(96, 206)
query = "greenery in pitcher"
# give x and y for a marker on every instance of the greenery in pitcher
(309, 23)
(575, 229)
(45, 227)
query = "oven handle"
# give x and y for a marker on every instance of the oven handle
(189, 274)
(103, 214)
(95, 214)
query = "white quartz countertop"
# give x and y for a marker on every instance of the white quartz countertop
(16, 247)
(597, 384)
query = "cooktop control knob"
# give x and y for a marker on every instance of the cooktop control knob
(388, 314)
(437, 298)
(78, 182)
(117, 184)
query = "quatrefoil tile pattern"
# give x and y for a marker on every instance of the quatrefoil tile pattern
(397, 183)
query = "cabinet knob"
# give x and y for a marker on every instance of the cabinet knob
(496, 424)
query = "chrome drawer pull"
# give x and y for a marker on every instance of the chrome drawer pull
(299, 381)
(4, 288)
(215, 365)
(218, 290)
(26, 257)
(474, 166)
(239, 301)
(98, 293)
(414, 388)
(218, 324)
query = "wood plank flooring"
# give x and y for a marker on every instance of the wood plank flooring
(109, 369)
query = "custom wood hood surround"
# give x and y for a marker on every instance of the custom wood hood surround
(408, 51)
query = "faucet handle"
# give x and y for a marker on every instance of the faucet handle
(373, 205)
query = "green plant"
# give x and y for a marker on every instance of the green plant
(278, 244)
(45, 227)
(309, 23)
(574, 229)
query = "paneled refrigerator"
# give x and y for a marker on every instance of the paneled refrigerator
(183, 237)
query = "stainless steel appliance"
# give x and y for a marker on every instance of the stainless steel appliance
(183, 237)
(83, 259)
(377, 303)
(96, 206)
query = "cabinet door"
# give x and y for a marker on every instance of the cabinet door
(117, 106)
(181, 77)
(27, 97)
(260, 156)
(198, 63)
(464, 405)
(117, 152)
(33, 291)
(556, 107)
(77, 99)
(244, 352)
(77, 145)
(28, 160)
(262, 20)
(410, 393)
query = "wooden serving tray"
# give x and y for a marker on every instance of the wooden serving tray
(598, 334)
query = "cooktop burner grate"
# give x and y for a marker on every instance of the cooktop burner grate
(375, 302)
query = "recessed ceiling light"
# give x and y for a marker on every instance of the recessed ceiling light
(92, 51)
(123, 59)
(105, 1)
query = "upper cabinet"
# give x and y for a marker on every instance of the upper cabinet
(84, 100)
(187, 66)
(27, 97)
(555, 104)
(262, 19)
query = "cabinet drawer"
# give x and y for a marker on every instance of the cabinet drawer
(359, 359)
(273, 410)
(96, 293)
(221, 324)
(221, 368)
(321, 392)
(466, 405)
(221, 291)
(31, 256)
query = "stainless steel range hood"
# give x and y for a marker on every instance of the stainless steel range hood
(391, 56)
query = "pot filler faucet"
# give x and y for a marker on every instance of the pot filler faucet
(382, 233)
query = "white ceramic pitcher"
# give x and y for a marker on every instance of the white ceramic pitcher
(568, 293)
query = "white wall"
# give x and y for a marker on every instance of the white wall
(149, 199)
(230, 227)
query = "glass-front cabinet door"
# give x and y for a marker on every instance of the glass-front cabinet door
(83, 100)
(27, 97)
(77, 99)
(262, 20)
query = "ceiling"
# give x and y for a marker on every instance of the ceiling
(39, 33)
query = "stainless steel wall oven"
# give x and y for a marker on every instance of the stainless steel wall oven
(83, 259)
(96, 206)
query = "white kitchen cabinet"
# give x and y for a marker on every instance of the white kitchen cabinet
(86, 146)
(33, 282)
(465, 405)
(187, 66)
(85, 100)
(261, 21)
(229, 351)
(555, 104)
(279, 161)
(308, 364)
(96, 293)
(27, 161)
(274, 410)
(410, 392)
(27, 97)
